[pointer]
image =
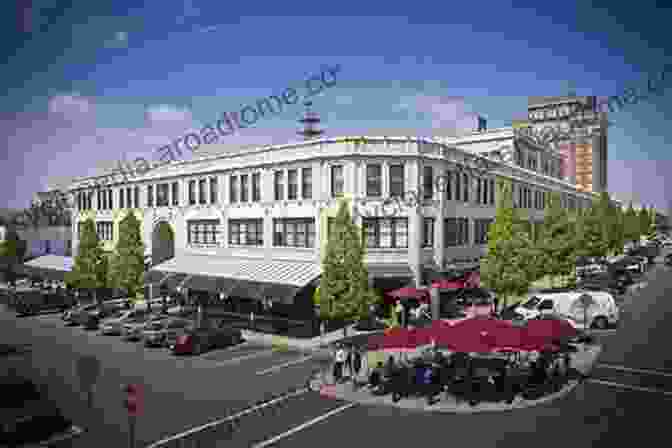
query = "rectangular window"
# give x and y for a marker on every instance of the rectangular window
(176, 193)
(427, 182)
(451, 232)
(214, 191)
(481, 228)
(458, 189)
(428, 233)
(484, 199)
(294, 232)
(479, 191)
(162, 195)
(136, 197)
(121, 198)
(233, 189)
(279, 185)
(150, 196)
(203, 232)
(465, 187)
(464, 231)
(246, 232)
(256, 187)
(449, 185)
(202, 199)
(110, 199)
(129, 197)
(292, 185)
(492, 192)
(307, 183)
(396, 180)
(386, 232)
(244, 188)
(337, 181)
(192, 192)
(104, 231)
(374, 175)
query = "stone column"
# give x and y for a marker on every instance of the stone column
(268, 235)
(436, 301)
(439, 250)
(415, 243)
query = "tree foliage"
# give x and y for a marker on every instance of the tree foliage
(90, 269)
(344, 290)
(631, 225)
(558, 239)
(592, 231)
(128, 263)
(506, 269)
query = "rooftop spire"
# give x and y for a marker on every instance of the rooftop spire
(310, 121)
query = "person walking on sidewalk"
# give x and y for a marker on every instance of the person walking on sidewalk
(356, 365)
(339, 361)
(399, 311)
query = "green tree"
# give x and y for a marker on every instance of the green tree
(631, 225)
(128, 263)
(558, 241)
(591, 238)
(344, 291)
(645, 223)
(506, 267)
(90, 269)
(12, 252)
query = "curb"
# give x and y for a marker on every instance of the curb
(465, 408)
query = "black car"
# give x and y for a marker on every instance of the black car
(200, 340)
(668, 259)
(37, 302)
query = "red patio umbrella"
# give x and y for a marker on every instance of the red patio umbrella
(507, 338)
(549, 329)
(409, 293)
(449, 284)
(474, 280)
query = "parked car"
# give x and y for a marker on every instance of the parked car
(668, 259)
(132, 330)
(77, 315)
(156, 333)
(601, 313)
(27, 418)
(38, 302)
(200, 340)
(113, 325)
(614, 282)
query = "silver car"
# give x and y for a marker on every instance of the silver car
(115, 324)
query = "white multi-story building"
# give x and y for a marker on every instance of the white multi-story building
(256, 222)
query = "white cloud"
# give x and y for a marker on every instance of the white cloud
(163, 113)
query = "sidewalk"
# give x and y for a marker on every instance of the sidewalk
(316, 343)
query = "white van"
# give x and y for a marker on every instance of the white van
(602, 313)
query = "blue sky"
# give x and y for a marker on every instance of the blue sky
(87, 83)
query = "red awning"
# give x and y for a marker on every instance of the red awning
(549, 329)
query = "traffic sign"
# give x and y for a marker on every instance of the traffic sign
(133, 400)
(88, 371)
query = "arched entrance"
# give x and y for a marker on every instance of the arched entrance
(163, 243)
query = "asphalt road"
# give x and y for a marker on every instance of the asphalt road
(624, 401)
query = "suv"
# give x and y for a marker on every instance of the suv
(601, 312)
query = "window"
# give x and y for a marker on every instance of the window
(292, 184)
(176, 193)
(121, 198)
(307, 183)
(104, 231)
(99, 202)
(427, 182)
(256, 187)
(479, 191)
(202, 232)
(458, 190)
(386, 232)
(279, 181)
(110, 199)
(456, 232)
(162, 195)
(233, 189)
(337, 181)
(373, 180)
(449, 185)
(428, 232)
(481, 227)
(129, 198)
(213, 190)
(294, 232)
(201, 192)
(244, 188)
(246, 232)
(465, 187)
(397, 180)
(484, 198)
(150, 196)
(137, 197)
(192, 192)
(492, 192)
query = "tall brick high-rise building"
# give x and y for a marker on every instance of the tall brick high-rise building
(578, 129)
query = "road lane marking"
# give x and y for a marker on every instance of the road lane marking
(303, 426)
(237, 360)
(633, 370)
(247, 411)
(286, 364)
(627, 386)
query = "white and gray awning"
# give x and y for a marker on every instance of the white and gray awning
(51, 267)
(239, 276)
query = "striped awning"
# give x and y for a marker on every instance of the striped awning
(389, 270)
(49, 267)
(241, 277)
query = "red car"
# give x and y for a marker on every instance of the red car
(197, 341)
